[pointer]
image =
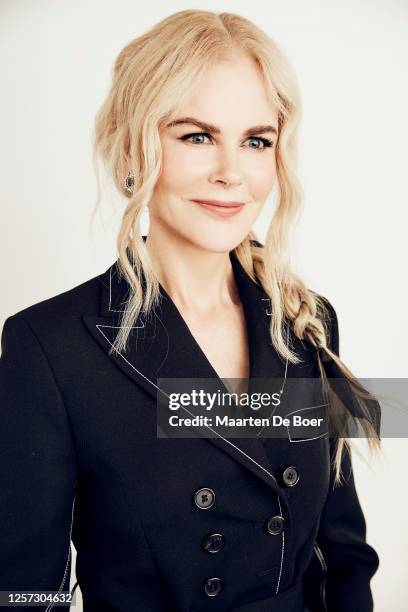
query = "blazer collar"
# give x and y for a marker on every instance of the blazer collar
(162, 346)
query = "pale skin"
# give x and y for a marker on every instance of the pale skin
(189, 245)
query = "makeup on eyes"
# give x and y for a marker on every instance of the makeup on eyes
(267, 143)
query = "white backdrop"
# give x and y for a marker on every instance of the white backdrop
(351, 60)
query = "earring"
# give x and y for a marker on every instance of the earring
(128, 182)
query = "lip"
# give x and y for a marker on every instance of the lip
(221, 208)
(220, 203)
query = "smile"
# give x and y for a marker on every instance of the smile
(227, 209)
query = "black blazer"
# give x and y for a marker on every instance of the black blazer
(81, 460)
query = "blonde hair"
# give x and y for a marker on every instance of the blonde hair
(153, 75)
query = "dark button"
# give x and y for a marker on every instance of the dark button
(213, 542)
(204, 498)
(212, 587)
(274, 524)
(290, 476)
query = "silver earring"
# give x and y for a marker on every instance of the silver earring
(128, 182)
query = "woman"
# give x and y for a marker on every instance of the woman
(202, 107)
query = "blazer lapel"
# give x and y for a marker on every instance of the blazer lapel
(162, 346)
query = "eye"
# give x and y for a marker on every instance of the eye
(188, 136)
(266, 143)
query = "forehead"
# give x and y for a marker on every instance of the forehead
(230, 94)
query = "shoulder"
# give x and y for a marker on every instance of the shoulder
(77, 298)
(56, 317)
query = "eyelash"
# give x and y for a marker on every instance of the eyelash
(266, 142)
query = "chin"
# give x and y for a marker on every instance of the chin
(217, 240)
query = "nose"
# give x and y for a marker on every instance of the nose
(227, 168)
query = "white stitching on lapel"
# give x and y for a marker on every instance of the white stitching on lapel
(99, 325)
(110, 293)
(324, 435)
(269, 304)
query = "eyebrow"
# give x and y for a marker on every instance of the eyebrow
(208, 127)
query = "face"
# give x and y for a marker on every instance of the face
(218, 154)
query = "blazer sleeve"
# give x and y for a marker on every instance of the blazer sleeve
(37, 470)
(347, 561)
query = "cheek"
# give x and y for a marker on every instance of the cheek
(172, 177)
(179, 168)
(262, 176)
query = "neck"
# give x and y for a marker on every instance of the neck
(195, 279)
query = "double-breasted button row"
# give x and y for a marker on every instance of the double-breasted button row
(212, 543)
(290, 476)
(204, 498)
